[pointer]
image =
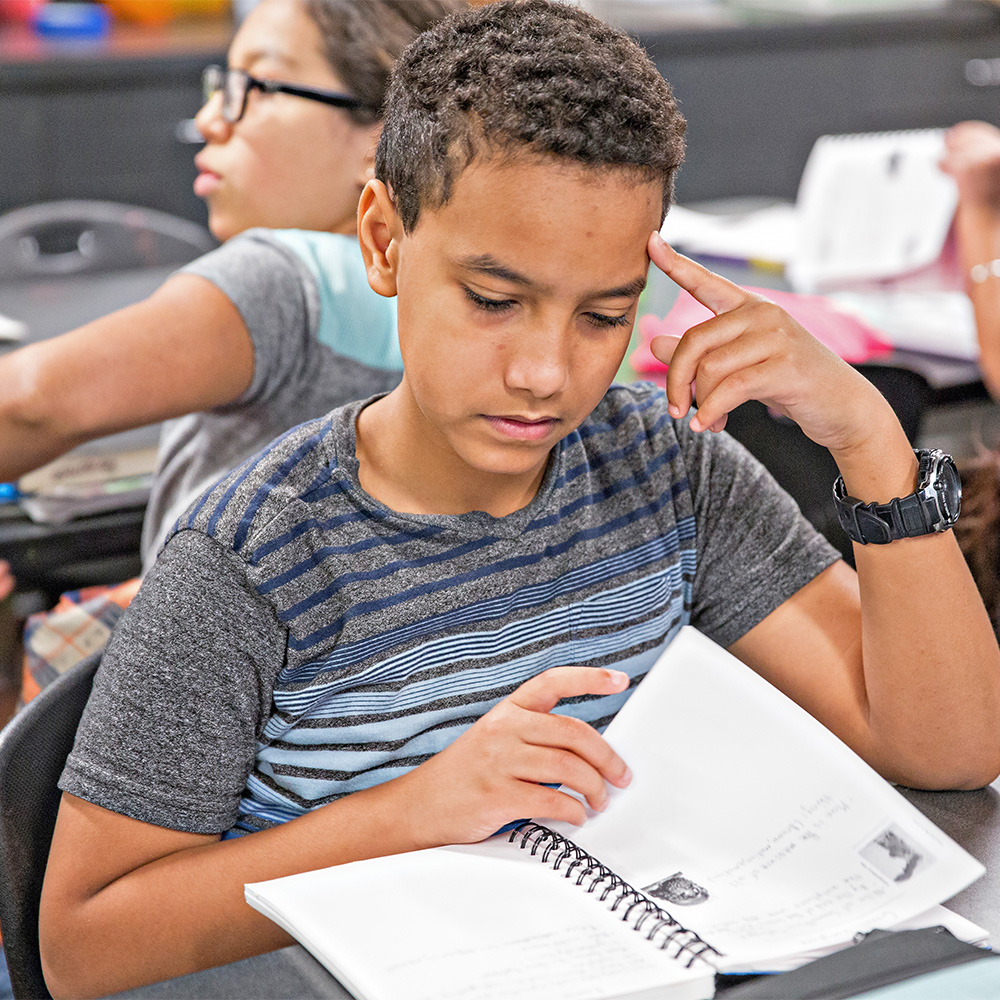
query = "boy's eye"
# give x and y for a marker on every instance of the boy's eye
(489, 305)
(606, 322)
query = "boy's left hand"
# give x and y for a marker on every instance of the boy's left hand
(752, 349)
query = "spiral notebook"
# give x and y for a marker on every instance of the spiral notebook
(750, 839)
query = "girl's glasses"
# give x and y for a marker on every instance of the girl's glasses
(236, 84)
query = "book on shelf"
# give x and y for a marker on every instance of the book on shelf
(750, 839)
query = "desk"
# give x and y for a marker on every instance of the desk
(970, 818)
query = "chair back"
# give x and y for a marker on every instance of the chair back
(33, 750)
(78, 236)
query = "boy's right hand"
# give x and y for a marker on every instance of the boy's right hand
(498, 770)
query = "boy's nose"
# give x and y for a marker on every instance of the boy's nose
(209, 121)
(539, 362)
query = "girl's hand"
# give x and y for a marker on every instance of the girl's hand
(972, 157)
(6, 580)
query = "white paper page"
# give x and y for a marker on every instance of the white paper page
(11, 329)
(763, 234)
(794, 842)
(487, 922)
(933, 321)
(871, 206)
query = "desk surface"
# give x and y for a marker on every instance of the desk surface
(970, 818)
(52, 305)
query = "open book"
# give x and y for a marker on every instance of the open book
(871, 206)
(750, 838)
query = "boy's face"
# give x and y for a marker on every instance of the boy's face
(516, 304)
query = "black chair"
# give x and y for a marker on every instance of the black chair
(33, 750)
(87, 237)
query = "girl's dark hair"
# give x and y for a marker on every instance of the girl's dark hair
(362, 39)
(523, 76)
(978, 529)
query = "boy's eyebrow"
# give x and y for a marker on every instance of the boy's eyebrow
(488, 264)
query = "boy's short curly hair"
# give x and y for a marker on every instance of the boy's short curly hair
(523, 76)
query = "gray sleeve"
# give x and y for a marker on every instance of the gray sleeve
(755, 547)
(169, 734)
(275, 294)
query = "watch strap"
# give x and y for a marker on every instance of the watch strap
(880, 523)
(927, 510)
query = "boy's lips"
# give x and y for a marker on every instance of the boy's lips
(523, 428)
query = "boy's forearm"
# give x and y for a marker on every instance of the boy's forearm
(931, 662)
(173, 901)
(186, 911)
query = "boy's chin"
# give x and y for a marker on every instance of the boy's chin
(507, 463)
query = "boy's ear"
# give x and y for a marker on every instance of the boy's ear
(379, 232)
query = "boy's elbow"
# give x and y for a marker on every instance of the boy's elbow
(960, 771)
(979, 774)
(71, 962)
(58, 963)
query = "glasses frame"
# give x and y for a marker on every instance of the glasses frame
(215, 79)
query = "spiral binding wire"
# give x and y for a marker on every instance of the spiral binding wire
(561, 854)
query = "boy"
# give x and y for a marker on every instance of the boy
(353, 645)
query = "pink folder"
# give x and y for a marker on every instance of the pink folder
(854, 340)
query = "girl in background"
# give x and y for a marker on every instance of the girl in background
(276, 326)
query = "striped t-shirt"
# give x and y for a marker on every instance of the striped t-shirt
(298, 641)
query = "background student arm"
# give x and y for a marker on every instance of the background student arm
(972, 157)
(162, 758)
(183, 349)
(900, 659)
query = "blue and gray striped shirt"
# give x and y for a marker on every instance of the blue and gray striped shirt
(298, 641)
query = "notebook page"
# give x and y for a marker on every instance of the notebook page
(753, 824)
(871, 206)
(486, 922)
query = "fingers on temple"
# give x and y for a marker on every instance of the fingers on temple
(710, 289)
(706, 354)
(745, 383)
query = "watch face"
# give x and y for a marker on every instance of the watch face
(949, 489)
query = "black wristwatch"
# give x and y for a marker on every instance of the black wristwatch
(933, 507)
